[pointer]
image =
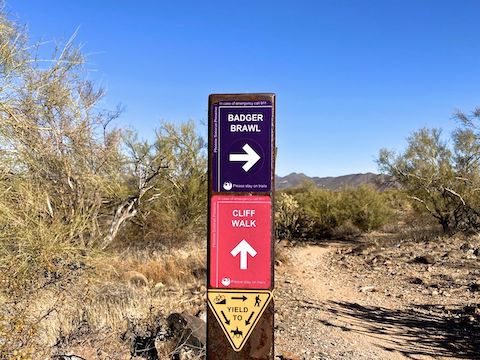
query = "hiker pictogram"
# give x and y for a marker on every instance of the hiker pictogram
(238, 311)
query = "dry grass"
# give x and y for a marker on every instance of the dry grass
(177, 266)
(68, 185)
(95, 312)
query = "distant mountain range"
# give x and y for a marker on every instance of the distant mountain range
(379, 181)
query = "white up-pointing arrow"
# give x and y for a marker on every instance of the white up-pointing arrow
(250, 157)
(243, 248)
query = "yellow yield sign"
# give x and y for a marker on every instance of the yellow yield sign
(238, 311)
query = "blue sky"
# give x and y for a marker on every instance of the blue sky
(351, 77)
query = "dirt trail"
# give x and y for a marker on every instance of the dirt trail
(324, 313)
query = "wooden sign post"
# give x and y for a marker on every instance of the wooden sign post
(241, 170)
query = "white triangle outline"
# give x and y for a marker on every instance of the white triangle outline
(254, 323)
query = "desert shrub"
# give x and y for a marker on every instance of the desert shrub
(67, 186)
(176, 211)
(426, 171)
(321, 209)
(288, 217)
(364, 207)
(346, 230)
(309, 212)
(399, 201)
(442, 177)
(185, 184)
(37, 257)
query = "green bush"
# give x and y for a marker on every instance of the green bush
(321, 208)
(69, 184)
(176, 211)
(313, 213)
(365, 207)
(441, 175)
(288, 217)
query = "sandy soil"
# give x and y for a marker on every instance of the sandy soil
(338, 302)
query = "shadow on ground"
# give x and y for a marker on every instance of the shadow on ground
(421, 330)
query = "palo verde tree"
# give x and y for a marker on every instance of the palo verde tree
(176, 209)
(467, 166)
(66, 182)
(443, 179)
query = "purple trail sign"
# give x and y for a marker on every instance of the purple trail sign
(242, 146)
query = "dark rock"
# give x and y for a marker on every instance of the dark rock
(474, 287)
(469, 310)
(362, 249)
(417, 281)
(466, 246)
(154, 337)
(200, 273)
(143, 333)
(376, 260)
(287, 355)
(188, 329)
(67, 357)
(425, 259)
(450, 254)
(144, 346)
(284, 244)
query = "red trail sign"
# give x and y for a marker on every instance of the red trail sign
(240, 251)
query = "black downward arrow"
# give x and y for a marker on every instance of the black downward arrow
(247, 322)
(226, 320)
(243, 298)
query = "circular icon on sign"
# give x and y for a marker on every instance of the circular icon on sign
(226, 281)
(227, 185)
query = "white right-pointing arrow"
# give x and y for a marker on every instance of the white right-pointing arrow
(244, 249)
(250, 157)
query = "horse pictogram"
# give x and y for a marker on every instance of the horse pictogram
(237, 333)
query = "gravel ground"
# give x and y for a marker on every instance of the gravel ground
(379, 300)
